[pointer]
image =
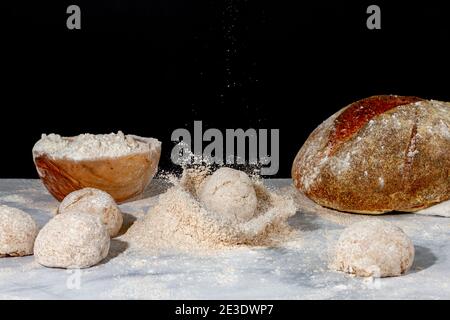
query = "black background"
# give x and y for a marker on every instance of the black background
(149, 67)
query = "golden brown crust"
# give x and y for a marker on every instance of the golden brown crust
(357, 114)
(398, 160)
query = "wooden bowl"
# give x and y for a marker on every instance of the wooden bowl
(123, 177)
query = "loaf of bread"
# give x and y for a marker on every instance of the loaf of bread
(379, 154)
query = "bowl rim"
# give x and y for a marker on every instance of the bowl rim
(153, 143)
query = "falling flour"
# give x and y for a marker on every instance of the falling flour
(89, 146)
(179, 221)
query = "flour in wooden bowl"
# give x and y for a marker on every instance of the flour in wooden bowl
(121, 165)
(89, 146)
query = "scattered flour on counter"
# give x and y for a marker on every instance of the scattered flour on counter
(90, 146)
(179, 221)
(142, 287)
(15, 198)
(29, 201)
(24, 270)
(306, 205)
(227, 277)
(7, 273)
(441, 209)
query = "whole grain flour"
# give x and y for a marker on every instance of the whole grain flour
(90, 146)
(180, 222)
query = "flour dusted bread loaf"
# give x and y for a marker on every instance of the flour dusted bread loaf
(379, 154)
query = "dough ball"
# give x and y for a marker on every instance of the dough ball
(17, 232)
(72, 240)
(96, 202)
(374, 248)
(230, 193)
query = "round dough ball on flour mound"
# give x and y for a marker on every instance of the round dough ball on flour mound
(374, 248)
(96, 202)
(17, 232)
(230, 193)
(72, 240)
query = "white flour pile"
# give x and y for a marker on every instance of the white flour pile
(179, 221)
(89, 146)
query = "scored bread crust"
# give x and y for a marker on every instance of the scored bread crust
(380, 154)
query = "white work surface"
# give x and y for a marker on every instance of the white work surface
(298, 269)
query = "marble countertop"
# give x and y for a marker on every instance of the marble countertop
(297, 269)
